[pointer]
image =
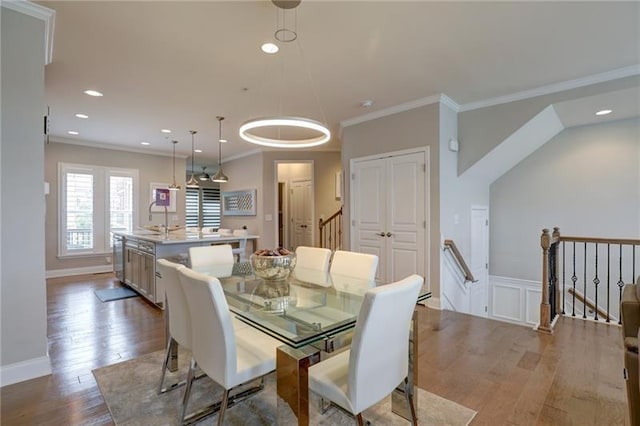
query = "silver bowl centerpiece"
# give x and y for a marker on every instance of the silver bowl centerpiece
(273, 265)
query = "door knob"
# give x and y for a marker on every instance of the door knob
(389, 234)
(381, 234)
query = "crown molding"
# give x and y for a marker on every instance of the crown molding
(242, 155)
(392, 110)
(39, 12)
(554, 88)
(449, 102)
(102, 145)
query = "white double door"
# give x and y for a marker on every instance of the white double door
(388, 212)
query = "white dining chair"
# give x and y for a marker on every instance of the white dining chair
(201, 257)
(353, 264)
(178, 312)
(377, 361)
(313, 258)
(229, 357)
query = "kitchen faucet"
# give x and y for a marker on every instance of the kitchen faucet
(166, 217)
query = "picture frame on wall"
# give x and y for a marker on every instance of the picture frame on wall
(159, 192)
(239, 203)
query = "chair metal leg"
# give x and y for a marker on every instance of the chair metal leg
(172, 348)
(408, 394)
(187, 389)
(324, 405)
(228, 400)
(223, 406)
(164, 367)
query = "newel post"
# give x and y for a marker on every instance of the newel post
(545, 308)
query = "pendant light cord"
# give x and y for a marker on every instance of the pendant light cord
(313, 85)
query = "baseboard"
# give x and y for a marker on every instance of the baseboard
(433, 303)
(57, 273)
(24, 370)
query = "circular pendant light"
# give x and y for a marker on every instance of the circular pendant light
(294, 122)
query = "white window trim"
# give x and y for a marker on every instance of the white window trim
(101, 205)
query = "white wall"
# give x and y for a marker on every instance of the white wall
(23, 318)
(586, 181)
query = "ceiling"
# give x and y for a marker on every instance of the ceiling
(177, 65)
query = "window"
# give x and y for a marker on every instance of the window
(94, 202)
(202, 207)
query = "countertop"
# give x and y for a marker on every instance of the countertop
(181, 236)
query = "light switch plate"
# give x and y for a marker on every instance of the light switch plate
(268, 217)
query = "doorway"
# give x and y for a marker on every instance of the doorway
(480, 261)
(295, 204)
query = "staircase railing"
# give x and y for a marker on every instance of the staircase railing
(466, 271)
(331, 231)
(579, 271)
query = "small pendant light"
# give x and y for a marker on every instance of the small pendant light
(174, 186)
(193, 182)
(220, 176)
(204, 175)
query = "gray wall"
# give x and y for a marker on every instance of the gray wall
(409, 129)
(457, 193)
(151, 168)
(481, 130)
(586, 181)
(24, 313)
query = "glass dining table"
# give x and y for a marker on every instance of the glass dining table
(312, 313)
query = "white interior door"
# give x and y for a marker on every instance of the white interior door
(301, 202)
(406, 223)
(389, 213)
(369, 194)
(479, 261)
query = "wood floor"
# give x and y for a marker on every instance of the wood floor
(509, 374)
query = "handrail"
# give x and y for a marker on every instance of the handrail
(323, 223)
(626, 241)
(468, 276)
(591, 304)
(331, 237)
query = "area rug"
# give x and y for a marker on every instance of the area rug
(129, 389)
(117, 293)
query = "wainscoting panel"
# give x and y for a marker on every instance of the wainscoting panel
(514, 300)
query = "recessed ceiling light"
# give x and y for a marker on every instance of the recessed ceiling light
(82, 115)
(93, 93)
(604, 112)
(145, 143)
(165, 131)
(197, 150)
(269, 48)
(73, 132)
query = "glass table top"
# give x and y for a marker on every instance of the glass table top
(304, 308)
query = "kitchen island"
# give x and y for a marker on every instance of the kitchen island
(135, 255)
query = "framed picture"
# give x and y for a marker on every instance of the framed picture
(159, 192)
(239, 203)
